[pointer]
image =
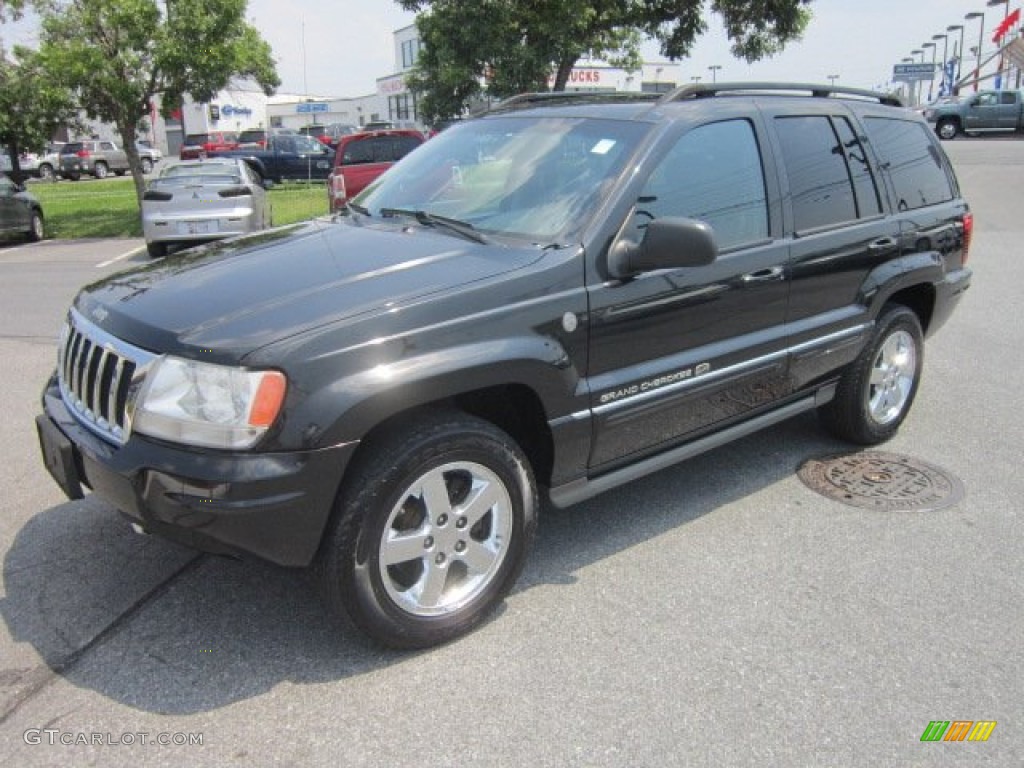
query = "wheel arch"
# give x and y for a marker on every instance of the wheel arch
(909, 280)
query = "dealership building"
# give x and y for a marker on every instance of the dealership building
(245, 106)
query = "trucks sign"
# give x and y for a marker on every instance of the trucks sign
(911, 73)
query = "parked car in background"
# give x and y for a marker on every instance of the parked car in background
(361, 157)
(198, 144)
(97, 158)
(255, 138)
(982, 112)
(20, 212)
(287, 157)
(148, 155)
(45, 165)
(196, 201)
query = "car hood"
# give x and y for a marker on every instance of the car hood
(227, 299)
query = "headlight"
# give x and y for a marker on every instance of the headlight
(217, 406)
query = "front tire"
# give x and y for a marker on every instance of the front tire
(46, 172)
(156, 250)
(947, 129)
(875, 393)
(36, 229)
(430, 530)
(100, 170)
(147, 166)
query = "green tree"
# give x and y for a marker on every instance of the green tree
(517, 45)
(120, 55)
(32, 105)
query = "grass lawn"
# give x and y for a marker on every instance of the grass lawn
(107, 208)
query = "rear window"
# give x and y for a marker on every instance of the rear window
(378, 149)
(252, 136)
(175, 172)
(71, 147)
(906, 150)
(197, 138)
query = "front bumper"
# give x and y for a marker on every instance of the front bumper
(272, 505)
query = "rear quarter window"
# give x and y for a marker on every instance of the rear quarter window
(916, 168)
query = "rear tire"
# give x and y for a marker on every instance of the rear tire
(875, 393)
(100, 170)
(147, 166)
(46, 172)
(156, 250)
(430, 530)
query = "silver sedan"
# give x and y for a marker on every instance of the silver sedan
(196, 201)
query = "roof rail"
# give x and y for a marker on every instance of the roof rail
(527, 100)
(709, 90)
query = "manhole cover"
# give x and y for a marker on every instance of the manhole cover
(885, 481)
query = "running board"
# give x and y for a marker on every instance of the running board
(581, 490)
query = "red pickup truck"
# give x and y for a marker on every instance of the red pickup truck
(362, 157)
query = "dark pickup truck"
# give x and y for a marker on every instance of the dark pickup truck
(287, 157)
(982, 112)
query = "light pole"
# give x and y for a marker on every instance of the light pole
(931, 83)
(714, 72)
(920, 83)
(695, 78)
(958, 54)
(832, 79)
(945, 50)
(981, 36)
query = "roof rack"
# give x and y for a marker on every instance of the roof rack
(527, 100)
(703, 91)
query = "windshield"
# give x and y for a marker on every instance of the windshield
(538, 178)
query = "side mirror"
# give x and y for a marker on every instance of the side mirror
(668, 243)
(267, 184)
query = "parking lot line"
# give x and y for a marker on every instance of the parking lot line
(116, 259)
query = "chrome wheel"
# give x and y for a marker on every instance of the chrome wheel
(445, 539)
(100, 171)
(147, 166)
(892, 377)
(947, 130)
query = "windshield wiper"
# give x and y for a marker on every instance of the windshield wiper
(427, 219)
(357, 208)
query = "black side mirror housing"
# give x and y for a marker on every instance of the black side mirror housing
(668, 243)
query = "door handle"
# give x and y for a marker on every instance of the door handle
(764, 275)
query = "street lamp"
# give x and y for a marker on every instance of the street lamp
(714, 72)
(917, 51)
(981, 36)
(958, 53)
(931, 83)
(832, 79)
(695, 78)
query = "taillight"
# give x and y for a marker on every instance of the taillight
(234, 191)
(338, 188)
(968, 224)
(152, 194)
(82, 153)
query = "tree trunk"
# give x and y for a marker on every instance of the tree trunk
(562, 75)
(14, 150)
(126, 128)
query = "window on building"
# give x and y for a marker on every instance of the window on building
(657, 87)
(410, 50)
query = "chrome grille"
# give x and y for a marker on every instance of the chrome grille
(97, 372)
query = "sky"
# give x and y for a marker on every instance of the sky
(339, 49)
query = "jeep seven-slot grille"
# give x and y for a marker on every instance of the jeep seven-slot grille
(96, 372)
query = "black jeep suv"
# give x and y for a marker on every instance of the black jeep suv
(561, 296)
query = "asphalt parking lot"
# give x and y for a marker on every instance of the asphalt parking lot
(718, 613)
